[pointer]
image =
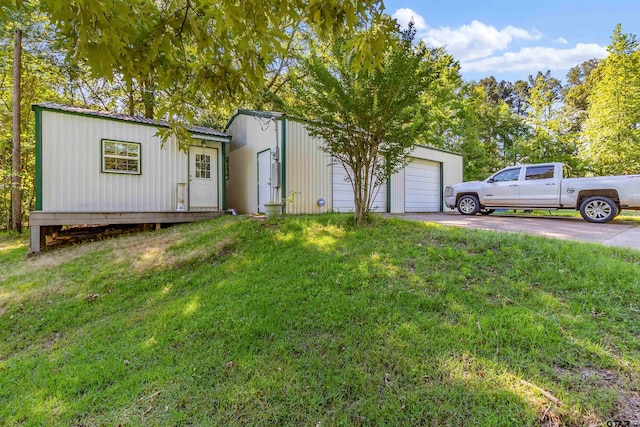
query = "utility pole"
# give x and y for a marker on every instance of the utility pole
(16, 192)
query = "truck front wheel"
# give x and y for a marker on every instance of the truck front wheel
(598, 209)
(468, 205)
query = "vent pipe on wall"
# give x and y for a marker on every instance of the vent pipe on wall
(181, 186)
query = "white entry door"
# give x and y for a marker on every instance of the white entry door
(203, 178)
(264, 179)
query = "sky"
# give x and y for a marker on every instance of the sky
(511, 40)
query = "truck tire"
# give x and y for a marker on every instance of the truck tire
(468, 205)
(598, 209)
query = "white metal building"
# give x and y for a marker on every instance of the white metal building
(273, 158)
(94, 161)
(95, 167)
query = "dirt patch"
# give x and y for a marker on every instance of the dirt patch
(628, 400)
(590, 377)
(134, 243)
(549, 418)
(602, 377)
(629, 407)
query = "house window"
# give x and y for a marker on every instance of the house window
(121, 157)
(203, 166)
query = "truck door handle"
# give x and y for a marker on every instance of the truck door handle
(550, 183)
(513, 185)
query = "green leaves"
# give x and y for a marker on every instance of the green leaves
(216, 49)
(366, 113)
(612, 129)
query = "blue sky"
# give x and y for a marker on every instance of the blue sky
(512, 39)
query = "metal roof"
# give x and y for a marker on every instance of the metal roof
(201, 130)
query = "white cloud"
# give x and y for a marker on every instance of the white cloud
(476, 40)
(476, 46)
(404, 16)
(519, 33)
(536, 58)
(473, 41)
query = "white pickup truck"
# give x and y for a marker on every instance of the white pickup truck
(542, 186)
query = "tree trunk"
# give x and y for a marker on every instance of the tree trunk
(16, 192)
(148, 98)
(131, 99)
(360, 199)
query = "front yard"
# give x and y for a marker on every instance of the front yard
(310, 321)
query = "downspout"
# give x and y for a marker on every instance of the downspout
(38, 181)
(441, 187)
(386, 165)
(389, 194)
(224, 176)
(283, 148)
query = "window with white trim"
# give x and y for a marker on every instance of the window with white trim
(203, 166)
(121, 157)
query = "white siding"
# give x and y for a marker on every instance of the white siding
(309, 173)
(250, 135)
(451, 174)
(308, 170)
(422, 191)
(72, 177)
(451, 165)
(343, 193)
(397, 192)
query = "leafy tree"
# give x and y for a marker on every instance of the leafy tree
(222, 50)
(612, 129)
(548, 139)
(442, 109)
(576, 93)
(467, 118)
(45, 77)
(473, 119)
(492, 130)
(368, 119)
(36, 83)
(519, 100)
(495, 92)
(477, 144)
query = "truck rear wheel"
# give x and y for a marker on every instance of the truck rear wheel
(468, 205)
(598, 209)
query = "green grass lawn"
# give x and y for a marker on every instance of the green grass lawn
(310, 321)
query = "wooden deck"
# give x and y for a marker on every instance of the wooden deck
(42, 223)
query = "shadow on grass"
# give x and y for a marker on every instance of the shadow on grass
(312, 321)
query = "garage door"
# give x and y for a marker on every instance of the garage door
(343, 193)
(422, 186)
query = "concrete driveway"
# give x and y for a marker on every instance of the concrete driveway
(616, 233)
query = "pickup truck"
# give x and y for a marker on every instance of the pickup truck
(542, 186)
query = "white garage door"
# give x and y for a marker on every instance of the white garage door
(422, 186)
(343, 193)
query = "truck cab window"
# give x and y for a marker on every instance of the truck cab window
(539, 172)
(508, 175)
